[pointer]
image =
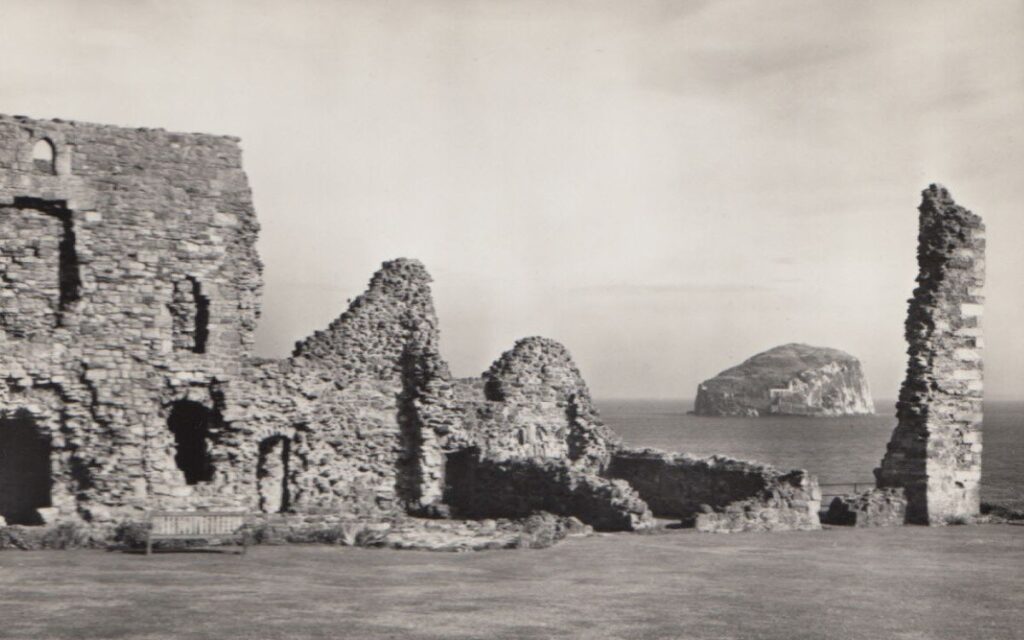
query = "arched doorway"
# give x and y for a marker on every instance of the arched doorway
(25, 480)
(272, 471)
(191, 422)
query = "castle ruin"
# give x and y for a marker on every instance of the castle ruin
(935, 451)
(130, 294)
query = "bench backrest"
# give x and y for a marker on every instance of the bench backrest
(195, 523)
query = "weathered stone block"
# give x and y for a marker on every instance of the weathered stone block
(875, 508)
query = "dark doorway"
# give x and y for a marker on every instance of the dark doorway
(272, 472)
(460, 479)
(191, 422)
(25, 480)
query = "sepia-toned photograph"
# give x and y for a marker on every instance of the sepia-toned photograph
(511, 319)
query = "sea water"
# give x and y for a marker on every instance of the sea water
(839, 451)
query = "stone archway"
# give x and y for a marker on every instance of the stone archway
(25, 474)
(272, 474)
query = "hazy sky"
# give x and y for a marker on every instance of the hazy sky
(665, 187)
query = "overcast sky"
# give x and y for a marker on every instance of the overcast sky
(665, 187)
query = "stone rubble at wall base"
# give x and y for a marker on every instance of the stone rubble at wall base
(874, 508)
(719, 494)
(538, 531)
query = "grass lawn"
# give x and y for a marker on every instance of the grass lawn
(911, 582)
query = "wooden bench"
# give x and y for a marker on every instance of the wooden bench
(195, 525)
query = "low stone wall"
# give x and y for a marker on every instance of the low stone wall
(479, 487)
(537, 531)
(758, 514)
(720, 494)
(875, 508)
(534, 532)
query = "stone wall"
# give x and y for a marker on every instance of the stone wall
(531, 404)
(94, 322)
(346, 403)
(536, 405)
(479, 487)
(935, 450)
(129, 293)
(717, 493)
(129, 299)
(875, 508)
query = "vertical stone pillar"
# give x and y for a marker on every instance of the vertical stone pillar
(935, 450)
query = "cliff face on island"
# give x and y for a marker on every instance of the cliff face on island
(793, 379)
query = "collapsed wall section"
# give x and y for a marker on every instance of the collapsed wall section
(532, 403)
(719, 494)
(373, 423)
(874, 508)
(526, 437)
(526, 425)
(480, 487)
(935, 450)
(343, 406)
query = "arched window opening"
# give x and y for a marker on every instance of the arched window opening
(25, 480)
(191, 423)
(272, 474)
(44, 156)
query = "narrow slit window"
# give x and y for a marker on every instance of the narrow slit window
(190, 312)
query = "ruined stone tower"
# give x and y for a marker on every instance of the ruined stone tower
(130, 288)
(935, 451)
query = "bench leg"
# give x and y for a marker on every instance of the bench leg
(149, 545)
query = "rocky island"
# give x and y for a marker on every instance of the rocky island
(792, 379)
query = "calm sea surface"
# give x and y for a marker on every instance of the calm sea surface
(837, 450)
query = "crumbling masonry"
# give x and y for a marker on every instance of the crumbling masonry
(935, 451)
(130, 293)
